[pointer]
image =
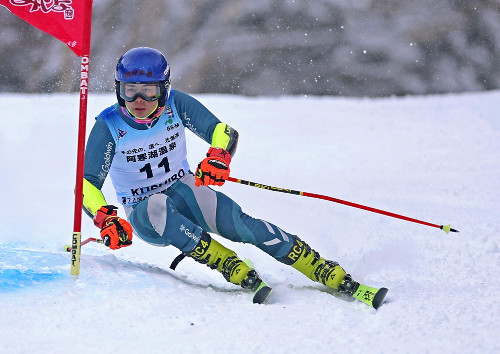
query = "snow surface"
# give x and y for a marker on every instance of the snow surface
(432, 158)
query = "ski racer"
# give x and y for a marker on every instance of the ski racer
(140, 142)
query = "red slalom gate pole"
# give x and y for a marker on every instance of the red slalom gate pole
(70, 23)
(445, 228)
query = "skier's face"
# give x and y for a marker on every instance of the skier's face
(141, 108)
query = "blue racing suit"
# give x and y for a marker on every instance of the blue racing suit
(151, 175)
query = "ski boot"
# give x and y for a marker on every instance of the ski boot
(312, 265)
(331, 274)
(210, 252)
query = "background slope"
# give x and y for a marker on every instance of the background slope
(434, 158)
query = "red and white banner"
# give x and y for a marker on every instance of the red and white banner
(67, 20)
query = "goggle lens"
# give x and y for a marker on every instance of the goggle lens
(147, 91)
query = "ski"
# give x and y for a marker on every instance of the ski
(261, 290)
(371, 296)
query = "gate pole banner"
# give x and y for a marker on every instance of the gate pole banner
(67, 20)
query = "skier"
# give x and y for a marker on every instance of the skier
(140, 141)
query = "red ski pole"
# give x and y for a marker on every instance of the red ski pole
(445, 228)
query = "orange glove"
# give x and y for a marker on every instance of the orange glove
(115, 232)
(214, 169)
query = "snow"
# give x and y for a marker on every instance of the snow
(433, 158)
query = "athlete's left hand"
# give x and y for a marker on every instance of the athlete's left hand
(214, 169)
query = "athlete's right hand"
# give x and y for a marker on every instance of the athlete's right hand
(115, 232)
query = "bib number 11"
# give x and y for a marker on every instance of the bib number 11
(149, 172)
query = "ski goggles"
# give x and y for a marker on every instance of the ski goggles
(149, 91)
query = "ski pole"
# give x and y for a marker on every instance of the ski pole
(445, 228)
(84, 242)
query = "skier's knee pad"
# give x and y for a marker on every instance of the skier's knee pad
(157, 221)
(148, 218)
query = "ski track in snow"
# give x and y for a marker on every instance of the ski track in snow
(434, 158)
